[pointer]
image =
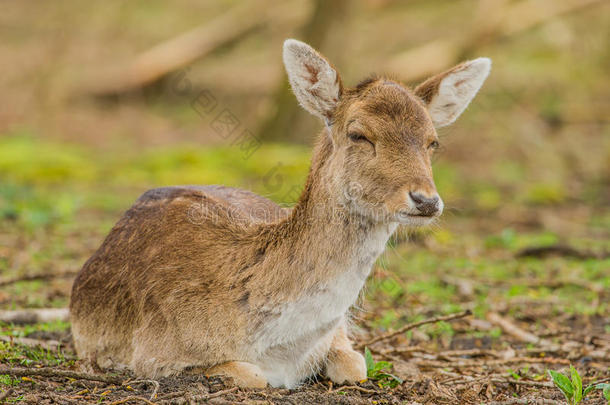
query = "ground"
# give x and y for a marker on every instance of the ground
(523, 244)
(539, 301)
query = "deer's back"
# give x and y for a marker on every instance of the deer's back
(175, 245)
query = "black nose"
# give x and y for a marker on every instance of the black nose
(426, 206)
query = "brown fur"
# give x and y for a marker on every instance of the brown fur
(191, 276)
(429, 88)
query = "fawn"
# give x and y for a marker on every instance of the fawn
(260, 293)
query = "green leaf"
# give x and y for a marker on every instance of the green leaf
(381, 365)
(374, 371)
(588, 390)
(390, 380)
(563, 383)
(370, 363)
(605, 390)
(513, 374)
(576, 384)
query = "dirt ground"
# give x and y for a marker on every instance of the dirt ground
(523, 244)
(469, 371)
(498, 355)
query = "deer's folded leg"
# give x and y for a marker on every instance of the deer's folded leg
(245, 375)
(344, 364)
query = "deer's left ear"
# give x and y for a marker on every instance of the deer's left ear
(448, 94)
(315, 83)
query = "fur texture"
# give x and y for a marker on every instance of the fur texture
(449, 93)
(314, 81)
(218, 280)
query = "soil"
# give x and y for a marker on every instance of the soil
(469, 370)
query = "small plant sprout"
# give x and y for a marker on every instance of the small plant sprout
(572, 387)
(514, 374)
(605, 390)
(377, 371)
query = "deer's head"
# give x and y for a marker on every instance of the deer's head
(382, 133)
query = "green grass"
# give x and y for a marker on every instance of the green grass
(414, 277)
(62, 198)
(27, 160)
(46, 183)
(43, 182)
(8, 381)
(27, 330)
(15, 354)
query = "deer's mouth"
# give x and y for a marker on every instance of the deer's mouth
(414, 219)
(418, 214)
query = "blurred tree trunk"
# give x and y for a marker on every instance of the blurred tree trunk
(286, 121)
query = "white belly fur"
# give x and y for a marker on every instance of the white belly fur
(289, 348)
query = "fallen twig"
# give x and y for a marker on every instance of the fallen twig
(132, 398)
(402, 350)
(197, 398)
(171, 395)
(36, 277)
(470, 352)
(29, 342)
(538, 384)
(552, 284)
(413, 325)
(512, 329)
(483, 362)
(455, 376)
(518, 401)
(182, 50)
(153, 382)
(558, 250)
(58, 398)
(37, 315)
(50, 372)
(5, 394)
(447, 354)
(355, 388)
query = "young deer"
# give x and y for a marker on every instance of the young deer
(223, 281)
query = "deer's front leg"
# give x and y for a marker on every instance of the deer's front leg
(344, 364)
(245, 375)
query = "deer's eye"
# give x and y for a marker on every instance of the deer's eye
(358, 137)
(433, 145)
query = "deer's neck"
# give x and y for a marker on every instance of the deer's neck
(321, 257)
(325, 242)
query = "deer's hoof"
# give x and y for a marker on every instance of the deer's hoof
(346, 366)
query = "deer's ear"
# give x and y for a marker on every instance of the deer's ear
(315, 82)
(448, 94)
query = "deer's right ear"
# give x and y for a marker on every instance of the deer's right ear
(448, 94)
(315, 83)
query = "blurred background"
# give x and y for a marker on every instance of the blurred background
(100, 103)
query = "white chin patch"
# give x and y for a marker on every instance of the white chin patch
(413, 220)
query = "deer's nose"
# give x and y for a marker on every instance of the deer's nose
(427, 206)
